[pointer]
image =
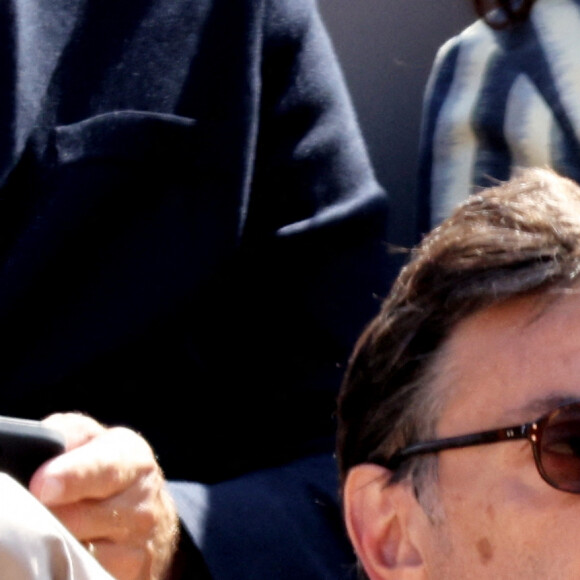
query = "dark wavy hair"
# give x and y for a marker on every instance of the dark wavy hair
(503, 13)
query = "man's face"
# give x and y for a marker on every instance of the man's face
(494, 517)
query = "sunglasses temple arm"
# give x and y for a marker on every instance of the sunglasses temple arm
(482, 438)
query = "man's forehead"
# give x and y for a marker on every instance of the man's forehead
(513, 360)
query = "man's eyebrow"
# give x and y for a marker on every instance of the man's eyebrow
(539, 406)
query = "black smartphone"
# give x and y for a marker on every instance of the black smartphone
(25, 445)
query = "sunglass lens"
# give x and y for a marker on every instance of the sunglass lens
(560, 448)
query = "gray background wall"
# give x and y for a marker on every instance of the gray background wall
(386, 48)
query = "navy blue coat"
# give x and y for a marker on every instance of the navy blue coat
(191, 235)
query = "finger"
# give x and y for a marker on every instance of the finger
(122, 562)
(144, 534)
(131, 516)
(105, 466)
(146, 555)
(77, 429)
(91, 519)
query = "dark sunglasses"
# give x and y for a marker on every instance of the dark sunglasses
(555, 440)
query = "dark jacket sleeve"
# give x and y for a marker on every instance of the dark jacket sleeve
(312, 263)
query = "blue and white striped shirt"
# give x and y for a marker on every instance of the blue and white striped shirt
(498, 100)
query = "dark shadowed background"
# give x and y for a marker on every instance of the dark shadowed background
(386, 48)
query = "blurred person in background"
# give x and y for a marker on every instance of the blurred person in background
(503, 94)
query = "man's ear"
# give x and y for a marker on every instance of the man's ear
(379, 519)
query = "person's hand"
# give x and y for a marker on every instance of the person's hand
(109, 491)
